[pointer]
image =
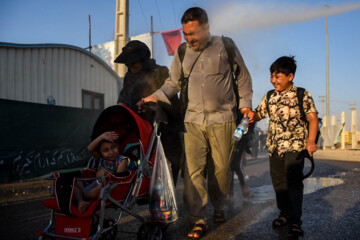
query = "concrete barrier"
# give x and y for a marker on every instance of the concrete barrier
(337, 154)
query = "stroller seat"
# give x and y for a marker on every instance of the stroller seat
(117, 192)
(63, 199)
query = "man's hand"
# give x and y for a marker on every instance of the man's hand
(150, 98)
(247, 112)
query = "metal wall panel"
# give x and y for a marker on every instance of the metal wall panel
(32, 72)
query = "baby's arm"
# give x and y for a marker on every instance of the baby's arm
(109, 136)
(123, 165)
(313, 129)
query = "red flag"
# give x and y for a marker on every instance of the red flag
(172, 40)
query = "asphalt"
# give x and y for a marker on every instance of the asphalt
(40, 187)
(331, 209)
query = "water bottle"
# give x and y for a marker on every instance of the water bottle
(241, 129)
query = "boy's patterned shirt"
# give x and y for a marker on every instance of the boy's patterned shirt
(287, 132)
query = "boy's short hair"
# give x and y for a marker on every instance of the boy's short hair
(195, 14)
(285, 65)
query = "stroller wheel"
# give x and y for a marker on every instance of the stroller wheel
(111, 233)
(150, 231)
(143, 232)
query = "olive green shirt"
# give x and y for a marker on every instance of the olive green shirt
(210, 91)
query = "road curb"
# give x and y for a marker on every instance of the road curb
(338, 155)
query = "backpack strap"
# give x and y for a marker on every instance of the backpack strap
(235, 69)
(300, 95)
(268, 95)
(229, 48)
(181, 52)
(183, 98)
(230, 51)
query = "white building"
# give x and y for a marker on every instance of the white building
(68, 74)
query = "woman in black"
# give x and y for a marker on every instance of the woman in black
(143, 78)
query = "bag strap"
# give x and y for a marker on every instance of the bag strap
(181, 53)
(184, 81)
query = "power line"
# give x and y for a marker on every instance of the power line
(175, 16)
(157, 7)
(142, 11)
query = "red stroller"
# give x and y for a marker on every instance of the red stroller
(136, 140)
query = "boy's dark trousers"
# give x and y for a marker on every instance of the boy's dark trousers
(287, 176)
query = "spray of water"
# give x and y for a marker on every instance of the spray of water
(238, 16)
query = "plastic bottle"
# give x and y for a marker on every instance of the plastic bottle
(241, 129)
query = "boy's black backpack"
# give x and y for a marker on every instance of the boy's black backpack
(300, 95)
(235, 69)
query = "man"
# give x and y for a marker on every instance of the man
(210, 115)
(144, 77)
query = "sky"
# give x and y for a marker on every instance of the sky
(262, 29)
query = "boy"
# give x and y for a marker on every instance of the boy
(288, 136)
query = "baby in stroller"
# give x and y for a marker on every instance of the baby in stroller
(105, 150)
(126, 182)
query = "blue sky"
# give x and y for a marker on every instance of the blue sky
(263, 31)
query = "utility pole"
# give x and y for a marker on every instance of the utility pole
(121, 33)
(89, 47)
(327, 76)
(152, 33)
(322, 100)
(353, 127)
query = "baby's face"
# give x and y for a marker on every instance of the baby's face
(109, 151)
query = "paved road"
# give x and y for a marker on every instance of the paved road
(331, 208)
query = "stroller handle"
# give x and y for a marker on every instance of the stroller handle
(160, 115)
